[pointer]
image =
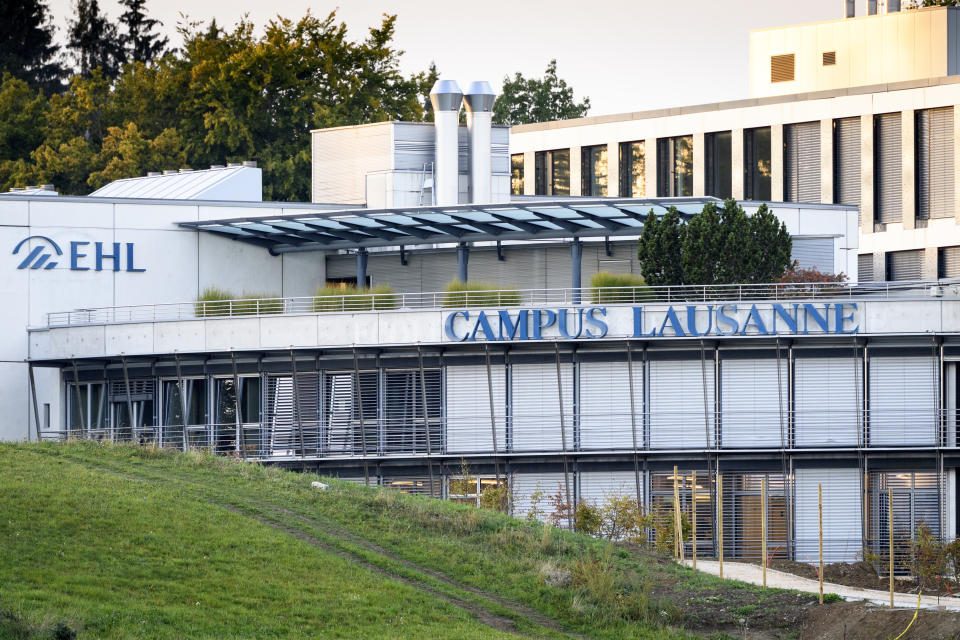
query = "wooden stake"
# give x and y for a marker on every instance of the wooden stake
(693, 514)
(763, 528)
(820, 534)
(720, 522)
(890, 514)
(676, 516)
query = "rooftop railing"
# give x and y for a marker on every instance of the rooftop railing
(248, 307)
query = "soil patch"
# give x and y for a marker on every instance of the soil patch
(864, 576)
(860, 621)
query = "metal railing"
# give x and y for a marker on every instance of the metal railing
(252, 307)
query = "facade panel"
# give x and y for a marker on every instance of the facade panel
(888, 168)
(842, 514)
(605, 411)
(468, 421)
(678, 416)
(535, 404)
(828, 401)
(904, 392)
(754, 400)
(801, 162)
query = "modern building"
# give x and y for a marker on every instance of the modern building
(546, 386)
(858, 111)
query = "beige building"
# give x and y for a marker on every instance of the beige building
(854, 111)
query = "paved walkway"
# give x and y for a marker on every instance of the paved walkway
(753, 574)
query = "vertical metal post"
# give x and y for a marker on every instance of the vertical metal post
(236, 407)
(361, 268)
(890, 518)
(706, 444)
(763, 528)
(563, 438)
(83, 410)
(363, 428)
(36, 408)
(296, 401)
(633, 422)
(693, 515)
(126, 386)
(493, 421)
(677, 533)
(820, 535)
(720, 522)
(463, 257)
(576, 257)
(426, 418)
(183, 401)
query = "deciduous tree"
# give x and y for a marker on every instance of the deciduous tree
(524, 100)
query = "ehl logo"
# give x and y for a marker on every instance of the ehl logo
(37, 258)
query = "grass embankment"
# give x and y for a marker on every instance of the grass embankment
(121, 542)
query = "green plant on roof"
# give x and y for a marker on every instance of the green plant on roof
(479, 294)
(214, 301)
(607, 287)
(350, 298)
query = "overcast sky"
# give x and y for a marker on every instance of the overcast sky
(625, 55)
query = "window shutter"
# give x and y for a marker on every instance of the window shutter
(801, 162)
(889, 168)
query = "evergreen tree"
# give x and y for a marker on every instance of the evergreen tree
(703, 247)
(523, 100)
(140, 43)
(660, 249)
(27, 50)
(771, 246)
(94, 40)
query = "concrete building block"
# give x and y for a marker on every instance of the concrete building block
(412, 326)
(909, 162)
(129, 338)
(931, 263)
(576, 170)
(185, 335)
(288, 331)
(232, 333)
(866, 174)
(613, 169)
(736, 163)
(922, 313)
(826, 160)
(529, 173)
(650, 165)
(699, 164)
(776, 162)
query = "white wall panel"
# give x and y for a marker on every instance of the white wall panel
(677, 390)
(605, 421)
(903, 397)
(535, 404)
(468, 408)
(829, 395)
(754, 401)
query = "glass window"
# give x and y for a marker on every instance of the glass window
(675, 166)
(470, 489)
(756, 164)
(553, 172)
(344, 404)
(87, 410)
(225, 407)
(405, 416)
(633, 182)
(718, 157)
(194, 400)
(593, 170)
(516, 174)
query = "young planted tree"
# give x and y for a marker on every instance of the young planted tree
(660, 249)
(523, 100)
(702, 247)
(27, 49)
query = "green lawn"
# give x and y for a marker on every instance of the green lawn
(123, 542)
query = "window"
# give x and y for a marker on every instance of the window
(934, 163)
(593, 170)
(846, 161)
(406, 421)
(632, 170)
(470, 489)
(718, 158)
(345, 407)
(916, 502)
(192, 403)
(227, 424)
(87, 410)
(782, 68)
(756, 164)
(552, 172)
(675, 166)
(888, 168)
(801, 162)
(829, 58)
(138, 399)
(905, 265)
(516, 174)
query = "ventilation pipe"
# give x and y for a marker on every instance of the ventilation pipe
(479, 104)
(446, 98)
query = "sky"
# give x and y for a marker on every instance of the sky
(625, 55)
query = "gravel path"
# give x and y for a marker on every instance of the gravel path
(753, 574)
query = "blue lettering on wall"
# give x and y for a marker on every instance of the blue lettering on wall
(40, 255)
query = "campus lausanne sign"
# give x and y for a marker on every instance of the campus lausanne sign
(102, 256)
(653, 321)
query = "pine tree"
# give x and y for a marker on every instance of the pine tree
(27, 50)
(139, 42)
(660, 249)
(94, 40)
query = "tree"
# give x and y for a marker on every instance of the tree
(27, 50)
(94, 40)
(660, 249)
(22, 114)
(702, 247)
(771, 247)
(525, 100)
(139, 42)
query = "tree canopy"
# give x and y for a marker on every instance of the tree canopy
(525, 100)
(717, 246)
(226, 95)
(27, 48)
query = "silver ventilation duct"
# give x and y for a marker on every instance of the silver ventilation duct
(446, 98)
(479, 104)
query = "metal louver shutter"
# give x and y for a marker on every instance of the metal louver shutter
(743, 514)
(814, 253)
(827, 403)
(525, 485)
(281, 413)
(558, 267)
(865, 267)
(935, 163)
(801, 162)
(341, 414)
(888, 168)
(387, 269)
(594, 487)
(468, 408)
(404, 417)
(677, 404)
(950, 262)
(750, 394)
(605, 421)
(905, 265)
(414, 485)
(842, 514)
(903, 400)
(847, 161)
(535, 403)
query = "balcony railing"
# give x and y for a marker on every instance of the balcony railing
(946, 289)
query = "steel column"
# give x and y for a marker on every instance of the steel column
(563, 438)
(576, 258)
(361, 268)
(493, 421)
(83, 410)
(463, 257)
(126, 386)
(36, 409)
(236, 406)
(426, 418)
(183, 403)
(363, 428)
(633, 421)
(296, 401)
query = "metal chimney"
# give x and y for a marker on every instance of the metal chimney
(479, 104)
(446, 98)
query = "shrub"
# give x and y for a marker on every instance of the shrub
(351, 298)
(606, 287)
(215, 301)
(479, 294)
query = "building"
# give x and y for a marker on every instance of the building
(547, 386)
(857, 111)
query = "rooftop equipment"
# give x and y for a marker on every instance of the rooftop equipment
(479, 101)
(446, 99)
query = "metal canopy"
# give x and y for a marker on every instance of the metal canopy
(519, 220)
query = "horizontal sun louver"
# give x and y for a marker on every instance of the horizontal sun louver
(829, 58)
(782, 68)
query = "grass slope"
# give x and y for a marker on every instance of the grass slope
(121, 542)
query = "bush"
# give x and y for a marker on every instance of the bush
(606, 287)
(351, 298)
(479, 294)
(215, 301)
